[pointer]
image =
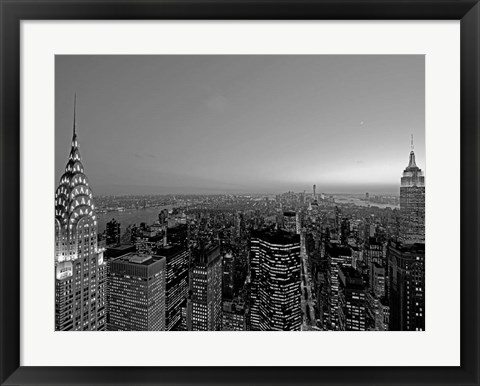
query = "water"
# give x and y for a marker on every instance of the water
(358, 202)
(131, 216)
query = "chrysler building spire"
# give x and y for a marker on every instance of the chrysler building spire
(74, 115)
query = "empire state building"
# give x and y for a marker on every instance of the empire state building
(412, 203)
(80, 272)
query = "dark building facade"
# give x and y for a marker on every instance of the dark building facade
(337, 255)
(228, 272)
(112, 232)
(206, 301)
(275, 281)
(176, 257)
(352, 312)
(406, 265)
(80, 271)
(136, 286)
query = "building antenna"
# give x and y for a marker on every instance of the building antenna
(412, 146)
(74, 114)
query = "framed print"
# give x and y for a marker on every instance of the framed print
(239, 193)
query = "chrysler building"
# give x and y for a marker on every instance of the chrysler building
(80, 272)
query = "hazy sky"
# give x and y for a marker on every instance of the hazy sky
(226, 124)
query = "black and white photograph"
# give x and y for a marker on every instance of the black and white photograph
(239, 193)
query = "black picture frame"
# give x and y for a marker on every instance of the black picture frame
(13, 11)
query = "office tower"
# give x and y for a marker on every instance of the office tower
(406, 272)
(336, 256)
(206, 312)
(113, 232)
(136, 288)
(228, 270)
(377, 279)
(374, 251)
(375, 295)
(234, 315)
(298, 225)
(290, 221)
(178, 234)
(80, 272)
(275, 281)
(176, 286)
(351, 300)
(147, 242)
(412, 203)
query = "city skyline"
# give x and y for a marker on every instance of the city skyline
(249, 124)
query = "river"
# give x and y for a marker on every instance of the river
(131, 216)
(358, 202)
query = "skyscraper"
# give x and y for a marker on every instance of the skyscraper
(113, 232)
(136, 288)
(80, 272)
(337, 256)
(275, 280)
(176, 283)
(206, 312)
(412, 203)
(351, 300)
(290, 221)
(406, 258)
(407, 286)
(228, 271)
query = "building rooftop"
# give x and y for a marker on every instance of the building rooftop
(412, 248)
(336, 250)
(119, 250)
(350, 277)
(206, 254)
(170, 250)
(138, 259)
(277, 236)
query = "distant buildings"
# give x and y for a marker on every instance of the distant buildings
(136, 287)
(206, 301)
(242, 263)
(275, 281)
(80, 272)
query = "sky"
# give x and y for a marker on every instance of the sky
(170, 124)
